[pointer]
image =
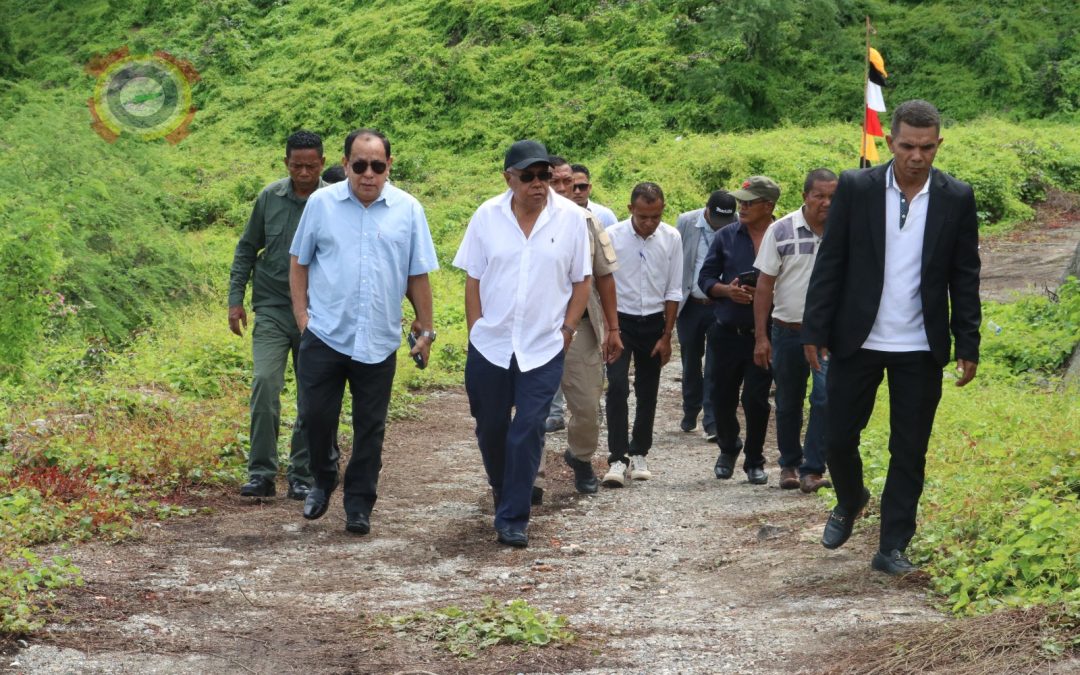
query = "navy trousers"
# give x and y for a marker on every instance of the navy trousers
(510, 446)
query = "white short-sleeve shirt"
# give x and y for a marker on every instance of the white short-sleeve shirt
(525, 283)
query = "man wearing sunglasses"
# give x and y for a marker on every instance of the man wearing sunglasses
(527, 262)
(362, 246)
(581, 190)
(727, 276)
(262, 257)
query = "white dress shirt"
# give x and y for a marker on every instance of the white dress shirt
(605, 215)
(650, 270)
(525, 283)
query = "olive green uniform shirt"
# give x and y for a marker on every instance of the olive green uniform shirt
(264, 247)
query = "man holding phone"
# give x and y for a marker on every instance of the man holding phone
(728, 277)
(361, 246)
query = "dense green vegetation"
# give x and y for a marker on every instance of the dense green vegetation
(121, 389)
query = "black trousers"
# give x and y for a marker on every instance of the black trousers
(734, 369)
(914, 393)
(639, 336)
(322, 375)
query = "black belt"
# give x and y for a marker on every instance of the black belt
(734, 329)
(637, 318)
(700, 301)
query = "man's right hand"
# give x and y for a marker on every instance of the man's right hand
(762, 352)
(739, 294)
(237, 319)
(815, 355)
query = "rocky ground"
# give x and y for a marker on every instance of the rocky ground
(679, 574)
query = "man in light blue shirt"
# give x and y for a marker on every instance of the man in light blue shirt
(361, 246)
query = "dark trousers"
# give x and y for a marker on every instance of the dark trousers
(914, 393)
(693, 325)
(323, 373)
(510, 447)
(734, 370)
(639, 335)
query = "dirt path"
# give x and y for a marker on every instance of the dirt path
(682, 573)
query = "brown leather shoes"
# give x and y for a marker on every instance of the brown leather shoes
(789, 478)
(812, 482)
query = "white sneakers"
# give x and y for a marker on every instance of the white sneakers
(615, 476)
(639, 470)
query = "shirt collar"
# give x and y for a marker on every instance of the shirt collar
(890, 180)
(343, 192)
(285, 189)
(798, 218)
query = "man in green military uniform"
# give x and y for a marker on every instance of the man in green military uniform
(264, 250)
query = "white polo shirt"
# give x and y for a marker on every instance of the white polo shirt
(899, 326)
(787, 252)
(525, 283)
(650, 270)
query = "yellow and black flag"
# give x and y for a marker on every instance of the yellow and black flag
(875, 103)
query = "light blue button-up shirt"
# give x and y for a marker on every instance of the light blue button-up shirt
(359, 261)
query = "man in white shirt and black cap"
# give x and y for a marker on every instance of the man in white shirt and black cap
(528, 263)
(697, 229)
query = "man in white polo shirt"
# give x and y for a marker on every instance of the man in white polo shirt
(895, 281)
(785, 261)
(527, 259)
(648, 288)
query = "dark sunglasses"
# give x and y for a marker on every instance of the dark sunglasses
(378, 167)
(581, 187)
(530, 176)
(750, 202)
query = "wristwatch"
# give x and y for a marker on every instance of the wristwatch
(430, 334)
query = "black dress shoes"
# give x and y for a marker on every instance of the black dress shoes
(509, 536)
(316, 503)
(688, 423)
(357, 523)
(725, 466)
(894, 563)
(298, 490)
(258, 486)
(757, 476)
(584, 476)
(838, 527)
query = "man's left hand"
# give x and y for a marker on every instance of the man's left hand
(663, 348)
(967, 371)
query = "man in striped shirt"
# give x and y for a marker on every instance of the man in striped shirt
(784, 262)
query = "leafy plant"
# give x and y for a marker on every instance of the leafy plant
(465, 632)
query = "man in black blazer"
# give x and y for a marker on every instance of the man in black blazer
(897, 271)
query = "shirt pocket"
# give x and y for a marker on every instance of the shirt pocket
(606, 247)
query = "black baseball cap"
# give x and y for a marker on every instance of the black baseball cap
(721, 208)
(525, 153)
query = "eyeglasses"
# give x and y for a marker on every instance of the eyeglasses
(581, 187)
(529, 176)
(752, 202)
(378, 167)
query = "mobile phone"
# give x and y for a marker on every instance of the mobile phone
(748, 278)
(418, 359)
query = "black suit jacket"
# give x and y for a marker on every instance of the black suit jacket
(845, 287)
